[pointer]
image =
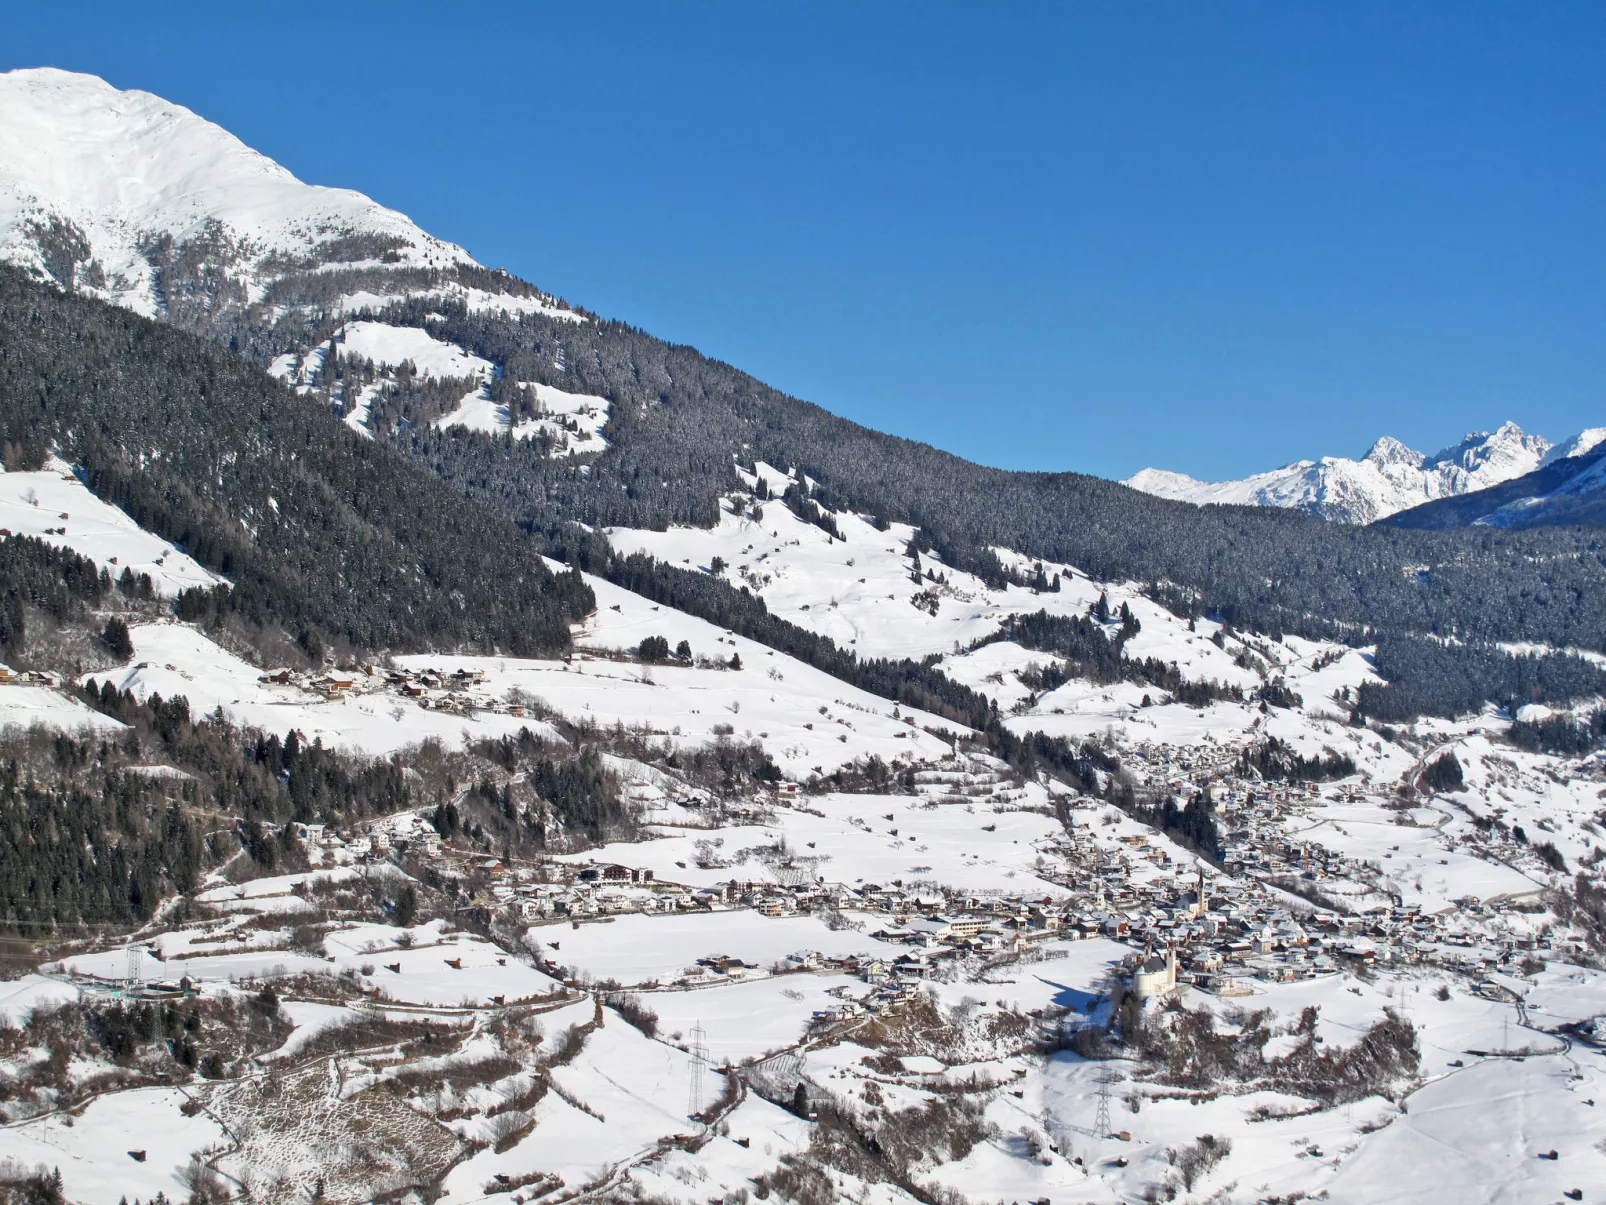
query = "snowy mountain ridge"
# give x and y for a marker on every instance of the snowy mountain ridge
(1566, 489)
(1391, 477)
(128, 197)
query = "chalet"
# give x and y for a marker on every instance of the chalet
(491, 870)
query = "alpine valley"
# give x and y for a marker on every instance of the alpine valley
(460, 748)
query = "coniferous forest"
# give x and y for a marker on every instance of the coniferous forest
(319, 531)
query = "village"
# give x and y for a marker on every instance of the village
(1274, 909)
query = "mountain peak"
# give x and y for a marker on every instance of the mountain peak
(1389, 450)
(1390, 478)
(1507, 443)
(1579, 444)
(93, 177)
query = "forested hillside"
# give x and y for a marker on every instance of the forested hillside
(320, 531)
(681, 420)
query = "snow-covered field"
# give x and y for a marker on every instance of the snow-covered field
(53, 505)
(24, 706)
(92, 1151)
(173, 659)
(388, 346)
(646, 949)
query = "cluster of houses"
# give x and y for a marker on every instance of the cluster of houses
(1243, 924)
(37, 677)
(434, 689)
(1217, 929)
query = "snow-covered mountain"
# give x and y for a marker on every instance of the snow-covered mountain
(1579, 444)
(1563, 490)
(1389, 478)
(139, 201)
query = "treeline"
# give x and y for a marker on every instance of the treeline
(1430, 677)
(57, 581)
(1080, 640)
(1092, 652)
(1085, 766)
(679, 420)
(256, 777)
(87, 838)
(318, 528)
(582, 794)
(1272, 759)
(1191, 825)
(1568, 735)
(102, 852)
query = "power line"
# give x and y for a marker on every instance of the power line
(1101, 1120)
(698, 1050)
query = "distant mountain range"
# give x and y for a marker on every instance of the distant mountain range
(1565, 489)
(1389, 479)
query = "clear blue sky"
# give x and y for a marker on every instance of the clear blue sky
(1211, 237)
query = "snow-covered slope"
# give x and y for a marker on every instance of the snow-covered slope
(1578, 445)
(970, 920)
(1389, 478)
(118, 194)
(125, 167)
(53, 505)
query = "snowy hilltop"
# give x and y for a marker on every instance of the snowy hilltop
(140, 202)
(1389, 478)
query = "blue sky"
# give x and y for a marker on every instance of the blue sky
(1213, 238)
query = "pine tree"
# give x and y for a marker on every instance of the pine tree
(117, 639)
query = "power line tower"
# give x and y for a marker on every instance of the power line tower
(134, 977)
(1101, 1120)
(698, 1049)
